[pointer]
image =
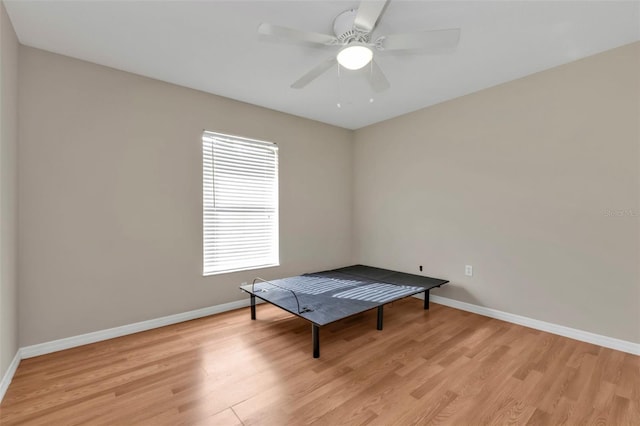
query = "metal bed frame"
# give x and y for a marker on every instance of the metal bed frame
(333, 295)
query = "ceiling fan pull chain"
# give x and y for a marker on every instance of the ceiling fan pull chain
(339, 103)
(371, 74)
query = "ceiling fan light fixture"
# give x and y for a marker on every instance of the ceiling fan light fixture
(354, 56)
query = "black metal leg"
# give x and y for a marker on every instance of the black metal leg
(380, 317)
(253, 307)
(315, 336)
(426, 300)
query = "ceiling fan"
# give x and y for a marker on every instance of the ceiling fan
(353, 31)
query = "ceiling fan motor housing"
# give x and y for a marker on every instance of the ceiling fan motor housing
(344, 29)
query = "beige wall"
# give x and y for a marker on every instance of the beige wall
(535, 183)
(110, 170)
(8, 191)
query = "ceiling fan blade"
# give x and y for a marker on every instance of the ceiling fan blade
(315, 72)
(296, 35)
(425, 40)
(369, 12)
(378, 81)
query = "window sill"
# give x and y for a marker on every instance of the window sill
(250, 268)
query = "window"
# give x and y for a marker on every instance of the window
(240, 199)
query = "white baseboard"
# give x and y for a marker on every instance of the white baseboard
(97, 336)
(8, 375)
(572, 333)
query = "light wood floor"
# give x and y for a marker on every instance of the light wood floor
(440, 366)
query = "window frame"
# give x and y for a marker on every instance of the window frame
(271, 258)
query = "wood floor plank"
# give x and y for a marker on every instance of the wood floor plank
(441, 366)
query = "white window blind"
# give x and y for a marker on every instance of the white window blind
(240, 198)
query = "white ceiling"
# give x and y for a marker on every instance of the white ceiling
(213, 46)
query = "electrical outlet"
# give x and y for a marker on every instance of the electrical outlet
(468, 270)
